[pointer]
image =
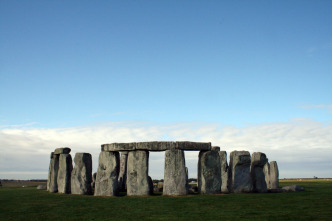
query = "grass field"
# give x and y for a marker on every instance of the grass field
(315, 203)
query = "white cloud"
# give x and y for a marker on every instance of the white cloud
(326, 107)
(301, 147)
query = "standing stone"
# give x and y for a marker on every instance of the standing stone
(175, 179)
(107, 174)
(239, 172)
(49, 172)
(209, 172)
(54, 168)
(258, 160)
(64, 174)
(224, 172)
(81, 176)
(274, 175)
(123, 171)
(137, 173)
(150, 185)
(266, 170)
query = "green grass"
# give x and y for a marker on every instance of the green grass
(315, 203)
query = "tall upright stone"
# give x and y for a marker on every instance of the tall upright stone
(137, 173)
(49, 172)
(106, 183)
(175, 179)
(209, 172)
(64, 173)
(258, 160)
(81, 176)
(274, 175)
(123, 170)
(266, 171)
(224, 172)
(53, 177)
(239, 172)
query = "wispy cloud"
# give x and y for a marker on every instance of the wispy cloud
(302, 147)
(326, 107)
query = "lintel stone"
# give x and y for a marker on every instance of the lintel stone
(62, 150)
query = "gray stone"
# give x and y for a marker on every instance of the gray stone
(239, 172)
(160, 186)
(64, 173)
(137, 173)
(258, 160)
(118, 147)
(155, 145)
(54, 168)
(81, 176)
(224, 172)
(266, 171)
(150, 185)
(215, 148)
(123, 171)
(62, 150)
(41, 187)
(175, 173)
(209, 172)
(107, 174)
(274, 175)
(293, 188)
(188, 145)
(93, 184)
(49, 172)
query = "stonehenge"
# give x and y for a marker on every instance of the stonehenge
(124, 167)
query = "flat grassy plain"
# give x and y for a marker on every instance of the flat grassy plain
(315, 203)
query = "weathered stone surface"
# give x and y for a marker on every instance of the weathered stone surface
(274, 175)
(107, 174)
(293, 188)
(118, 147)
(258, 160)
(81, 176)
(93, 184)
(41, 187)
(62, 150)
(224, 172)
(175, 179)
(266, 171)
(239, 172)
(49, 172)
(137, 173)
(209, 172)
(155, 145)
(64, 173)
(54, 168)
(215, 148)
(123, 171)
(188, 145)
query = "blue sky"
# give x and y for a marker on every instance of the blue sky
(171, 66)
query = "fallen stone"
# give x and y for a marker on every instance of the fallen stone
(274, 175)
(188, 145)
(123, 171)
(175, 180)
(258, 160)
(41, 187)
(276, 190)
(137, 173)
(118, 147)
(62, 150)
(107, 174)
(293, 188)
(81, 176)
(54, 168)
(209, 172)
(64, 173)
(224, 172)
(239, 172)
